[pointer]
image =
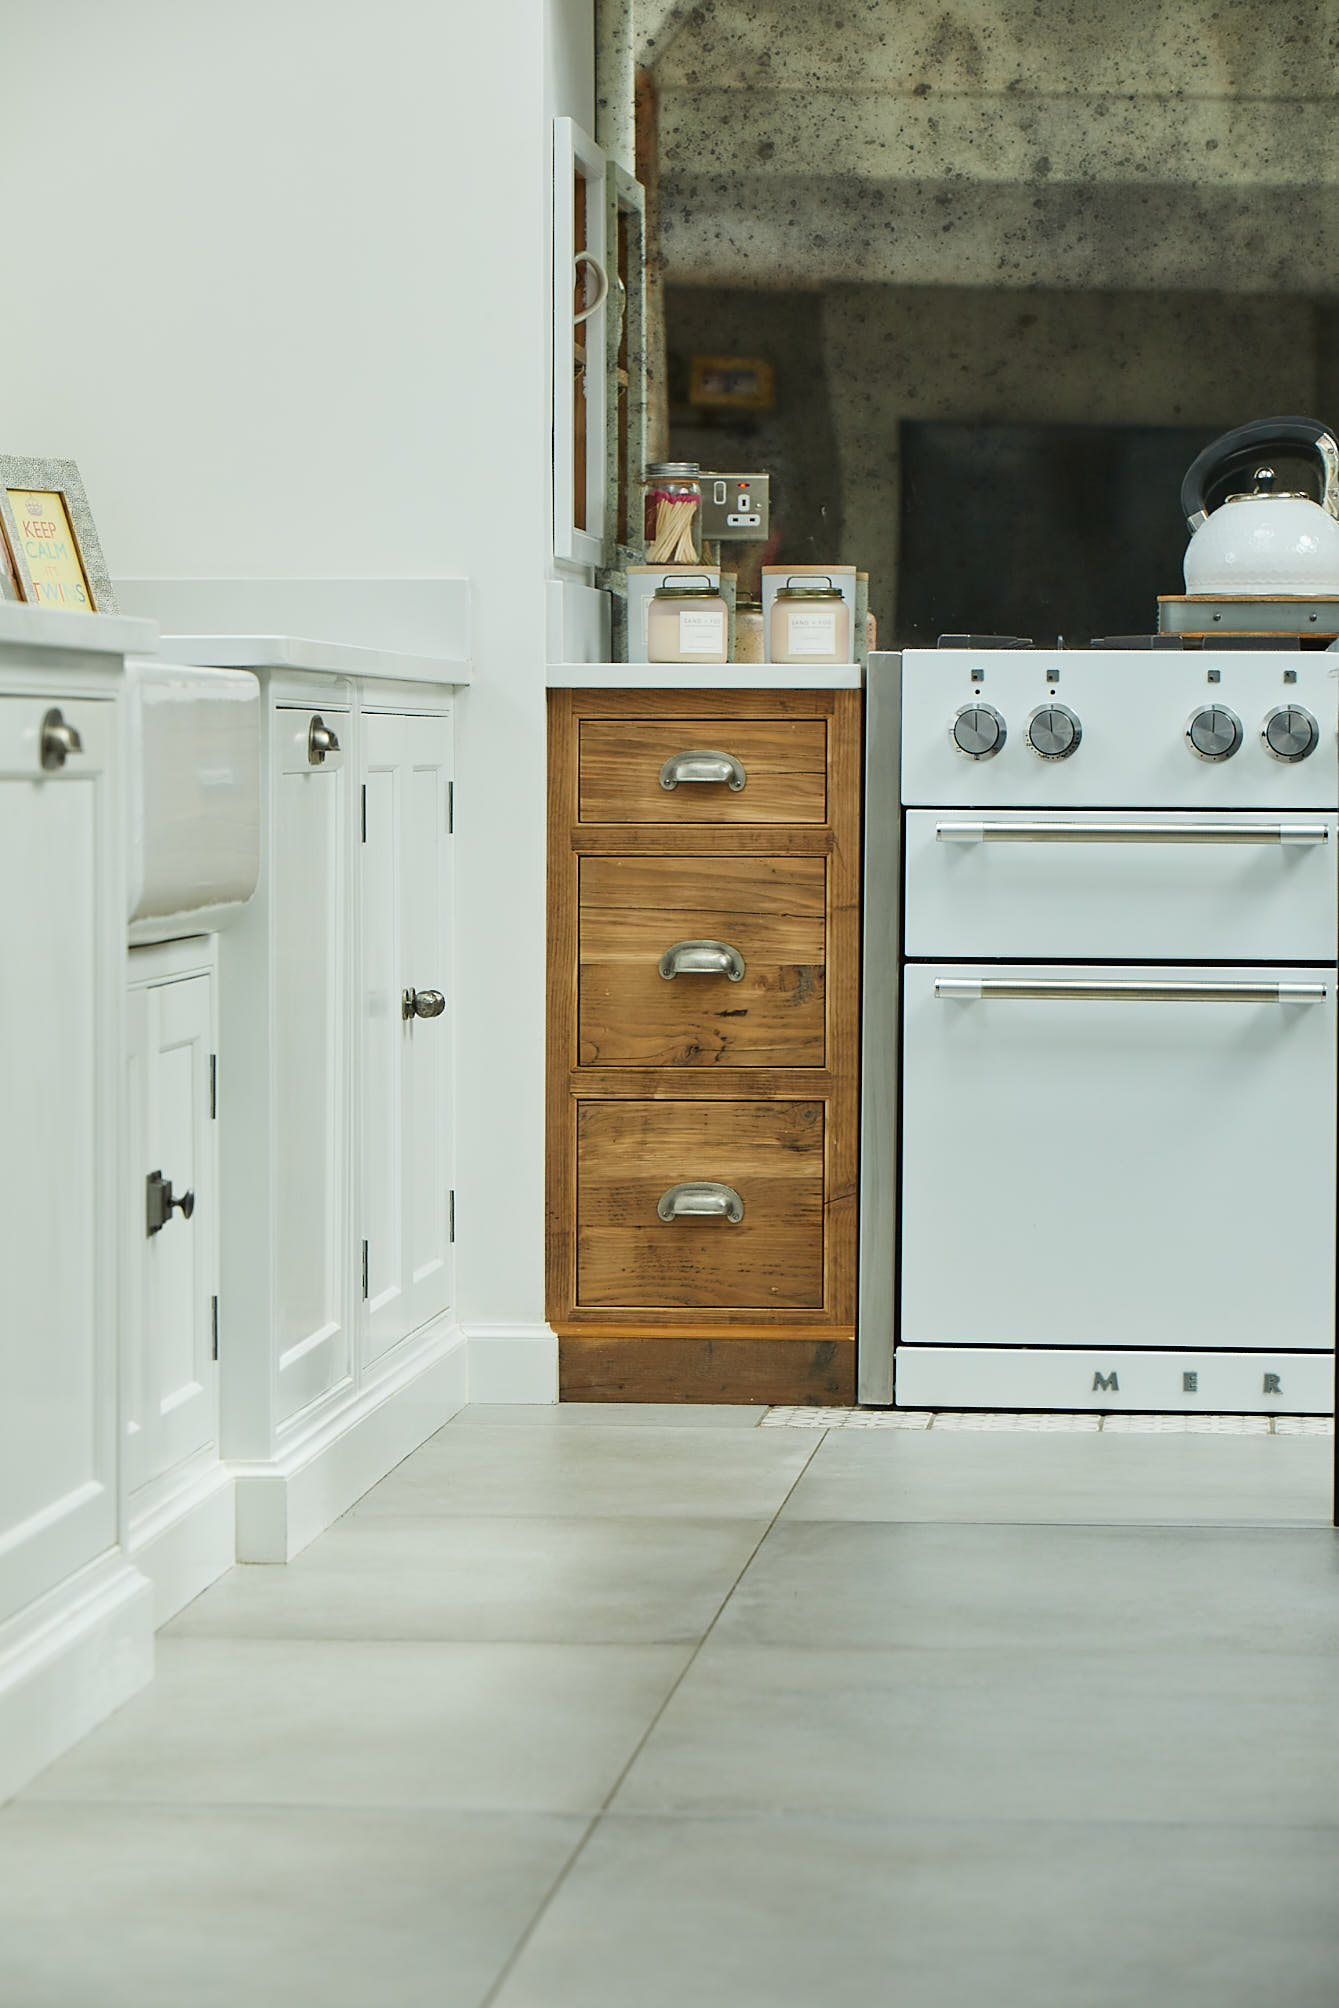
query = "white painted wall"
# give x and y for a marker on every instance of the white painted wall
(295, 326)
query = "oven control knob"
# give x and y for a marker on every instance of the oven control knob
(1214, 733)
(1054, 732)
(979, 731)
(1290, 733)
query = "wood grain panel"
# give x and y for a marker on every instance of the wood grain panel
(629, 1153)
(772, 910)
(818, 1373)
(784, 760)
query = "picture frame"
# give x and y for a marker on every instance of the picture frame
(732, 383)
(51, 555)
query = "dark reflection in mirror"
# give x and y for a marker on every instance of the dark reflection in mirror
(1013, 262)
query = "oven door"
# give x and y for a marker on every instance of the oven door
(1118, 1156)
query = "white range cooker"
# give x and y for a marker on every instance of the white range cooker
(1099, 1134)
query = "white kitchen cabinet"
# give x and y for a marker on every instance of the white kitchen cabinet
(335, 1148)
(58, 1504)
(405, 1155)
(170, 1217)
(287, 1265)
(75, 1616)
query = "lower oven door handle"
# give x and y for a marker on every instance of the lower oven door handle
(1084, 990)
(1131, 833)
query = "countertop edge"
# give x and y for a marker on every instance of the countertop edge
(301, 652)
(700, 676)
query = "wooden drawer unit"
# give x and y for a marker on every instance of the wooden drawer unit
(703, 1044)
(702, 962)
(643, 1170)
(778, 770)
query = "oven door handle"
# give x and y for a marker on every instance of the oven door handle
(1084, 990)
(1132, 833)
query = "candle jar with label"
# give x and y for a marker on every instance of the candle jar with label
(687, 621)
(811, 622)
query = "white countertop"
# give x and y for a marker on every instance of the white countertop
(27, 628)
(701, 676)
(299, 652)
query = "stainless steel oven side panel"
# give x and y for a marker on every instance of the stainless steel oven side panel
(1122, 896)
(1115, 1381)
(1118, 1172)
(1134, 710)
(881, 936)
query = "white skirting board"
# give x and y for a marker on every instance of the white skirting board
(513, 1363)
(285, 1502)
(69, 1661)
(185, 1539)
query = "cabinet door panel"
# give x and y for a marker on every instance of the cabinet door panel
(309, 1112)
(406, 1062)
(427, 1106)
(176, 1377)
(384, 1038)
(57, 1334)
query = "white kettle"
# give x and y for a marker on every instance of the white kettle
(1262, 540)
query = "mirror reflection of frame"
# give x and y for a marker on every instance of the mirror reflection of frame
(50, 555)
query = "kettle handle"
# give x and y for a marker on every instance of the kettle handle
(1247, 441)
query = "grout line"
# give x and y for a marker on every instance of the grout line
(523, 1941)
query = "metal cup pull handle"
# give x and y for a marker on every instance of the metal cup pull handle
(701, 1199)
(702, 958)
(703, 766)
(586, 262)
(422, 1004)
(320, 740)
(59, 740)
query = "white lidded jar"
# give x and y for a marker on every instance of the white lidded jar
(687, 621)
(811, 622)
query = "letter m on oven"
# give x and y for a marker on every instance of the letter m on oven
(1106, 1383)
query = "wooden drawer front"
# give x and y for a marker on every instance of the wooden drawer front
(772, 910)
(784, 762)
(630, 1153)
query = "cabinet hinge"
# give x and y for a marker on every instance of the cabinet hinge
(450, 808)
(214, 1323)
(213, 1087)
(364, 812)
(364, 1268)
(453, 1213)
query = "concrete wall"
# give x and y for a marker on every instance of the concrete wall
(281, 286)
(1185, 144)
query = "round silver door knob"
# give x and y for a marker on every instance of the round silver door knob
(979, 731)
(1214, 733)
(1290, 733)
(1054, 732)
(422, 1004)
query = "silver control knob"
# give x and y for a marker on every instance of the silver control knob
(1054, 732)
(1290, 733)
(979, 731)
(1214, 733)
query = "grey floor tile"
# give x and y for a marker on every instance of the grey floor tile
(609, 1472)
(613, 1414)
(104, 1907)
(564, 1581)
(1066, 1479)
(504, 1728)
(1007, 1734)
(766, 1914)
(887, 1584)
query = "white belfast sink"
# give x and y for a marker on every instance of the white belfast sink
(193, 795)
